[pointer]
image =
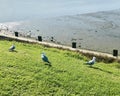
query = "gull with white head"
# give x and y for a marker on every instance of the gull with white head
(91, 62)
(12, 48)
(45, 58)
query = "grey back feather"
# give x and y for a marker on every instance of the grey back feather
(12, 48)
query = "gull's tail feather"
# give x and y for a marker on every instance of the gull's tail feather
(49, 63)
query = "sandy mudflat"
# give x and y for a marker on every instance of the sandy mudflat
(94, 31)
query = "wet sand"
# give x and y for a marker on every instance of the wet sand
(94, 31)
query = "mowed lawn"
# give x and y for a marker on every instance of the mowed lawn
(23, 73)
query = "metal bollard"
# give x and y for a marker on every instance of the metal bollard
(39, 38)
(73, 44)
(16, 34)
(115, 52)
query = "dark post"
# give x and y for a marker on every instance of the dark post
(16, 34)
(52, 39)
(39, 38)
(73, 44)
(115, 52)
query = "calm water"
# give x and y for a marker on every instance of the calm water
(14, 10)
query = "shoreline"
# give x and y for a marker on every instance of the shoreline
(87, 53)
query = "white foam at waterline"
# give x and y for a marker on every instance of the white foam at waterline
(9, 25)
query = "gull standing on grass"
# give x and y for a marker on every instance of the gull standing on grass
(12, 48)
(91, 62)
(45, 58)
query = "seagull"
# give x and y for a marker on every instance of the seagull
(91, 62)
(12, 48)
(45, 58)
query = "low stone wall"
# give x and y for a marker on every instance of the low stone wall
(108, 58)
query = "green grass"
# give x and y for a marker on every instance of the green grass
(23, 73)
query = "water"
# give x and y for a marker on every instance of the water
(16, 10)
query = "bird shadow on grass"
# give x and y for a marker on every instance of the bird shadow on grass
(48, 64)
(100, 69)
(13, 51)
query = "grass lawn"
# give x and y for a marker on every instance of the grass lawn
(23, 73)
